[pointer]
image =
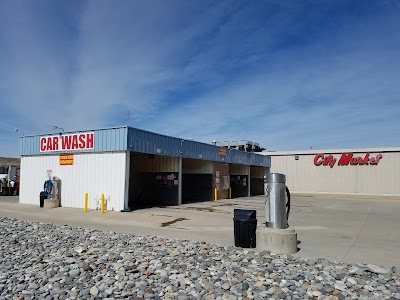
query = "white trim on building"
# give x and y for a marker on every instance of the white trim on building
(331, 151)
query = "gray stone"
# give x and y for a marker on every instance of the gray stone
(94, 291)
(376, 269)
(68, 280)
(316, 293)
(33, 286)
(86, 267)
(245, 286)
(395, 269)
(226, 286)
(340, 276)
(75, 272)
(124, 266)
(329, 289)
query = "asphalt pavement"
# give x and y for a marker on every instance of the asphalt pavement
(351, 229)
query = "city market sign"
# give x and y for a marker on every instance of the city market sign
(346, 159)
(78, 141)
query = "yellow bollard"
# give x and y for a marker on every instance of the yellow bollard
(215, 194)
(102, 203)
(230, 193)
(85, 203)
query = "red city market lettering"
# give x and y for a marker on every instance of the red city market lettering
(67, 142)
(346, 159)
(321, 159)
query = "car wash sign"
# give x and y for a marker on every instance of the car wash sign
(65, 142)
(346, 159)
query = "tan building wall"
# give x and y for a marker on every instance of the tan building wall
(303, 176)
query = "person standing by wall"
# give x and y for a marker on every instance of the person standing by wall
(12, 187)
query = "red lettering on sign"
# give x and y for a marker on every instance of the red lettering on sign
(49, 144)
(42, 144)
(81, 141)
(89, 140)
(55, 143)
(354, 161)
(66, 142)
(324, 160)
(74, 142)
(366, 159)
(318, 162)
(376, 159)
(345, 159)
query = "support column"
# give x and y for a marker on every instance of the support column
(180, 181)
(127, 178)
(248, 183)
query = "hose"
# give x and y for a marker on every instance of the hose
(48, 187)
(287, 205)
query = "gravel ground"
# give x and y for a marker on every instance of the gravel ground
(46, 261)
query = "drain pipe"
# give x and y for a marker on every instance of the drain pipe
(180, 181)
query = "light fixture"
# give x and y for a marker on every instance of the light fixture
(56, 127)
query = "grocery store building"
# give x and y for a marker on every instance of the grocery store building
(135, 168)
(373, 171)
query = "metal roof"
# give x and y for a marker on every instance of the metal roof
(138, 140)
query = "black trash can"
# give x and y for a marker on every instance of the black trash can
(42, 197)
(244, 227)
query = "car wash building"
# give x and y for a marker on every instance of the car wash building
(368, 171)
(134, 168)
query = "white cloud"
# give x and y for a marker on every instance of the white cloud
(226, 70)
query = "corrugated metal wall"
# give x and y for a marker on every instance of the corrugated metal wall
(142, 163)
(196, 166)
(95, 173)
(150, 142)
(258, 172)
(110, 139)
(239, 169)
(303, 176)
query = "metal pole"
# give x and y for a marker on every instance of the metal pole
(248, 184)
(102, 203)
(127, 179)
(180, 181)
(85, 203)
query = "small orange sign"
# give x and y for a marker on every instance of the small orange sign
(66, 159)
(222, 151)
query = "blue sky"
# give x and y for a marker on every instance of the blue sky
(288, 74)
